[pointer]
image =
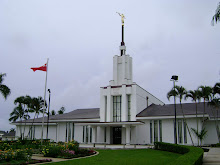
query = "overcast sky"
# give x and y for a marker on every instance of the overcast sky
(80, 39)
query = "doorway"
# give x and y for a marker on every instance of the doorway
(116, 135)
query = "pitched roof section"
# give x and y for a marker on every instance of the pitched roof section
(168, 110)
(79, 114)
(9, 134)
(91, 113)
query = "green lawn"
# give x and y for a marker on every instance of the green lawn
(125, 157)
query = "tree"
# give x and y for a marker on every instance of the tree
(36, 106)
(53, 112)
(215, 103)
(195, 96)
(3, 88)
(12, 130)
(24, 102)
(181, 91)
(173, 93)
(216, 17)
(17, 113)
(205, 93)
(61, 111)
(216, 89)
(200, 135)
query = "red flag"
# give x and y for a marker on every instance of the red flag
(42, 68)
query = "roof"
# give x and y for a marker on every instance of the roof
(79, 114)
(12, 133)
(91, 113)
(168, 110)
(2, 132)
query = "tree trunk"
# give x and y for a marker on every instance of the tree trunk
(197, 122)
(184, 119)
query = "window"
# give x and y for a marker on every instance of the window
(105, 134)
(66, 134)
(83, 133)
(180, 137)
(105, 108)
(151, 140)
(73, 132)
(160, 129)
(69, 133)
(185, 133)
(90, 134)
(116, 108)
(129, 107)
(87, 134)
(155, 131)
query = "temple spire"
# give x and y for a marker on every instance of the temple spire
(122, 47)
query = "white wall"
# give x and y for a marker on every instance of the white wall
(211, 137)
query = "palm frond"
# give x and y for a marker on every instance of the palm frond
(216, 17)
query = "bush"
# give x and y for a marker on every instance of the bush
(18, 154)
(73, 145)
(191, 155)
(171, 147)
(52, 150)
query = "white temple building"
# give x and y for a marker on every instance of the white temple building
(128, 114)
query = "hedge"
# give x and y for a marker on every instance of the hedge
(190, 155)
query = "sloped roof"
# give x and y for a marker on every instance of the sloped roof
(79, 114)
(12, 133)
(168, 110)
(91, 113)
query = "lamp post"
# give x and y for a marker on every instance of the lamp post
(174, 78)
(48, 113)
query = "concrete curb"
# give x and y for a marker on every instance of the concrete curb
(40, 156)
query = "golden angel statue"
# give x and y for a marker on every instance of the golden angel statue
(122, 17)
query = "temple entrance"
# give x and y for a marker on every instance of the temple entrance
(116, 135)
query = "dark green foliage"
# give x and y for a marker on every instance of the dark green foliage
(191, 155)
(171, 147)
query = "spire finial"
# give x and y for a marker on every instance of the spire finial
(122, 48)
(122, 18)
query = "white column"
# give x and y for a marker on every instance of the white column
(109, 105)
(102, 106)
(124, 104)
(128, 134)
(108, 135)
(94, 134)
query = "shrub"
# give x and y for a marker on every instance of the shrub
(193, 156)
(68, 154)
(18, 154)
(73, 145)
(52, 150)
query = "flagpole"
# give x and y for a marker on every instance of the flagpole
(44, 105)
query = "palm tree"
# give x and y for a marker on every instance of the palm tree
(216, 89)
(200, 135)
(205, 93)
(36, 106)
(181, 91)
(3, 88)
(61, 111)
(17, 113)
(24, 102)
(53, 112)
(216, 17)
(195, 96)
(173, 93)
(215, 103)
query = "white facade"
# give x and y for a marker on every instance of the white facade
(120, 102)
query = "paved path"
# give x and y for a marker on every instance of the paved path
(212, 157)
(40, 157)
